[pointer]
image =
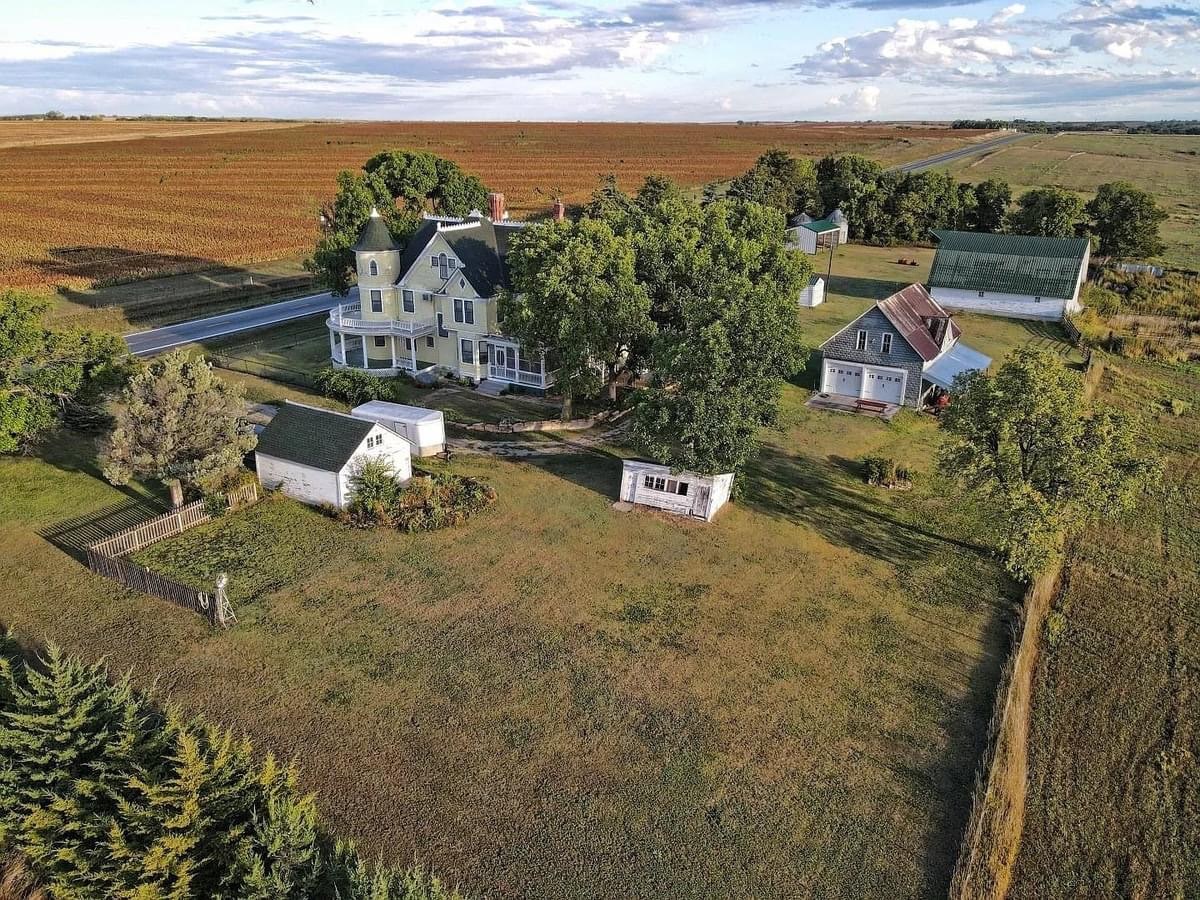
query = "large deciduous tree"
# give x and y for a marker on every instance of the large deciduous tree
(178, 423)
(992, 199)
(1126, 219)
(46, 373)
(1048, 212)
(401, 184)
(1045, 460)
(779, 180)
(574, 294)
(732, 336)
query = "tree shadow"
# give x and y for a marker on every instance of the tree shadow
(72, 536)
(596, 470)
(868, 288)
(805, 491)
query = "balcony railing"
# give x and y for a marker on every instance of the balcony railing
(348, 317)
(517, 376)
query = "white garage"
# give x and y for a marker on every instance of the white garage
(881, 383)
(311, 454)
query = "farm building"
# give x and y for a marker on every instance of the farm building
(897, 352)
(424, 429)
(810, 235)
(1012, 275)
(310, 454)
(813, 293)
(682, 493)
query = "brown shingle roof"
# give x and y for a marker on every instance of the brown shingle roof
(910, 311)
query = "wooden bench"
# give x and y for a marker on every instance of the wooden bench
(875, 406)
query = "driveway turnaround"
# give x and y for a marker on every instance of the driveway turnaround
(158, 340)
(920, 165)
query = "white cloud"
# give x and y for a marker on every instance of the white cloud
(863, 99)
(1009, 12)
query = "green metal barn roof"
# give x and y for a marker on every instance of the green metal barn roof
(1008, 263)
(820, 226)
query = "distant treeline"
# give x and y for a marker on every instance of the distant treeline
(1164, 126)
(55, 115)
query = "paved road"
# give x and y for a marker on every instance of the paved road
(157, 340)
(920, 165)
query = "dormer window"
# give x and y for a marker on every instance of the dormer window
(373, 268)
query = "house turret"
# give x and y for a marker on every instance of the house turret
(376, 254)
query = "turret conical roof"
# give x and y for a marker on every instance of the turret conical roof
(375, 236)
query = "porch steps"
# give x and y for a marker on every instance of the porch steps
(491, 388)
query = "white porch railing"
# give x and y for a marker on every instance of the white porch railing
(348, 317)
(517, 376)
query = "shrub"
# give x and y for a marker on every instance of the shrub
(428, 502)
(1101, 299)
(355, 387)
(885, 472)
(1178, 407)
(374, 493)
(1056, 627)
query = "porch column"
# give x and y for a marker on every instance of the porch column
(342, 341)
(366, 361)
(332, 347)
(393, 351)
(412, 347)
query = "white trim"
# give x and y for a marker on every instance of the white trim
(861, 340)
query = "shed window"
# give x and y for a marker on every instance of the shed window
(376, 301)
(682, 489)
(407, 298)
(887, 342)
(373, 268)
(468, 355)
(380, 341)
(861, 342)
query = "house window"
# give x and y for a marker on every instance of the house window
(429, 341)
(376, 301)
(483, 352)
(408, 343)
(428, 298)
(380, 341)
(887, 342)
(374, 440)
(861, 342)
(462, 283)
(468, 355)
(373, 269)
(458, 312)
(452, 263)
(407, 298)
(464, 311)
(433, 261)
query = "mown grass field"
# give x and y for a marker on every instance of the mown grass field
(1166, 165)
(99, 207)
(1114, 792)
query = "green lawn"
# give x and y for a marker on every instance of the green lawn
(1166, 165)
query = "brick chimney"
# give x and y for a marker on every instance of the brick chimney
(559, 210)
(496, 207)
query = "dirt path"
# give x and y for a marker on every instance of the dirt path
(584, 443)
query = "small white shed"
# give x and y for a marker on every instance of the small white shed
(424, 428)
(814, 293)
(682, 493)
(310, 454)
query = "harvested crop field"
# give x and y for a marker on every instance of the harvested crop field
(70, 211)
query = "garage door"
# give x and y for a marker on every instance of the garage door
(842, 378)
(884, 386)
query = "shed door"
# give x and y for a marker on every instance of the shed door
(843, 378)
(883, 386)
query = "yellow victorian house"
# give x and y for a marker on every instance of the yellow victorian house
(433, 305)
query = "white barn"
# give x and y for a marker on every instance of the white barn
(310, 454)
(814, 293)
(680, 492)
(1012, 275)
(424, 428)
(811, 235)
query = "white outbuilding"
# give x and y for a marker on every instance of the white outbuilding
(813, 235)
(814, 293)
(424, 428)
(682, 493)
(311, 454)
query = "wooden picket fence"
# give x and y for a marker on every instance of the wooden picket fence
(106, 557)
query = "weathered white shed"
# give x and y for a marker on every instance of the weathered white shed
(814, 293)
(310, 454)
(424, 428)
(682, 493)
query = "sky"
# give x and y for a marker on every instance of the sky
(623, 60)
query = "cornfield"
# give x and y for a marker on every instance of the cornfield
(101, 202)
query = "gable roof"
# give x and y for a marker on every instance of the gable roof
(479, 244)
(909, 310)
(820, 226)
(375, 236)
(318, 438)
(1008, 263)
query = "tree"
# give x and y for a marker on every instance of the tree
(1048, 211)
(574, 294)
(992, 199)
(780, 180)
(45, 374)
(1126, 220)
(847, 182)
(401, 184)
(718, 366)
(179, 423)
(1027, 441)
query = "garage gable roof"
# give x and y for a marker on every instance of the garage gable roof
(910, 311)
(317, 438)
(1008, 263)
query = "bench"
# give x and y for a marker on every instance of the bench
(875, 406)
